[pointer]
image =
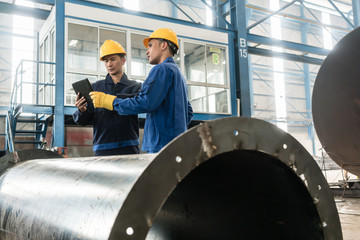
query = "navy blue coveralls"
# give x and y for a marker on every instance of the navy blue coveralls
(163, 97)
(114, 134)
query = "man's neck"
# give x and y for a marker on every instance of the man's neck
(164, 57)
(116, 78)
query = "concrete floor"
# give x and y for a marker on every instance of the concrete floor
(349, 212)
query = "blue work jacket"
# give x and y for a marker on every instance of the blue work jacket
(163, 97)
(110, 129)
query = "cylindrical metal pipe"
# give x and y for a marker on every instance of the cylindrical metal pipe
(336, 103)
(224, 179)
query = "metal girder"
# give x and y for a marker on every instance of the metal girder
(173, 3)
(287, 56)
(46, 2)
(59, 119)
(341, 13)
(8, 8)
(286, 44)
(218, 15)
(11, 34)
(224, 8)
(271, 14)
(300, 19)
(356, 12)
(243, 85)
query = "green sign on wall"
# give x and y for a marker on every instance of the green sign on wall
(215, 58)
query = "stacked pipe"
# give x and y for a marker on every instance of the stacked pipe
(231, 178)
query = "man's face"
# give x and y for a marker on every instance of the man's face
(154, 51)
(114, 64)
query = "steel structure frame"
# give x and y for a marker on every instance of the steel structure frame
(238, 29)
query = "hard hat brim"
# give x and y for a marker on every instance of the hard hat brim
(102, 58)
(146, 42)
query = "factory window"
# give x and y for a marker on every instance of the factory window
(82, 47)
(46, 70)
(197, 97)
(216, 65)
(194, 60)
(204, 66)
(70, 79)
(206, 75)
(140, 66)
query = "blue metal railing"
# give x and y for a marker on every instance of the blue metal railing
(29, 73)
(17, 92)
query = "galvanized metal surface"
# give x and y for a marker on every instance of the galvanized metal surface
(336, 103)
(225, 179)
(10, 159)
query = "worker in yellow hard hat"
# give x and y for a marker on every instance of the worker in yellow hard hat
(112, 134)
(163, 95)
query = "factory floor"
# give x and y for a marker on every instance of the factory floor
(348, 208)
(349, 212)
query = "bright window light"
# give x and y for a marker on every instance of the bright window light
(325, 17)
(132, 4)
(278, 67)
(209, 17)
(23, 48)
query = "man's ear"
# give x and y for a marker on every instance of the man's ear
(163, 45)
(123, 60)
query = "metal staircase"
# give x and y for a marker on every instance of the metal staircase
(36, 135)
(27, 124)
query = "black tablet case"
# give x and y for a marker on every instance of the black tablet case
(84, 87)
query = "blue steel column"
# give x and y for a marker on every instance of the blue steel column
(356, 12)
(238, 19)
(233, 73)
(248, 14)
(307, 85)
(59, 120)
(174, 10)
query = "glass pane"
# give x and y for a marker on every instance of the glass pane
(177, 57)
(120, 37)
(197, 97)
(140, 66)
(194, 61)
(52, 57)
(42, 67)
(216, 65)
(82, 47)
(47, 55)
(70, 94)
(218, 100)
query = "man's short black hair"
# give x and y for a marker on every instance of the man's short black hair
(173, 48)
(121, 55)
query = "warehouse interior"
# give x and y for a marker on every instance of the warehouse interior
(250, 59)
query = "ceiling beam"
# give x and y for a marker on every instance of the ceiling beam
(8, 8)
(46, 2)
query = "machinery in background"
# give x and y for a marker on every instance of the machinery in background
(336, 108)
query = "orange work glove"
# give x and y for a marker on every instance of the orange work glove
(102, 100)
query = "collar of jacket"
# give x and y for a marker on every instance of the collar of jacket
(124, 79)
(169, 59)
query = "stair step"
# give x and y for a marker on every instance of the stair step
(28, 131)
(30, 120)
(27, 142)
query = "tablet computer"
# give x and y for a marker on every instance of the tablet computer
(84, 88)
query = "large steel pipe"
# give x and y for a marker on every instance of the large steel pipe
(232, 178)
(336, 103)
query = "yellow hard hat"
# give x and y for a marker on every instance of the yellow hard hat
(111, 47)
(164, 33)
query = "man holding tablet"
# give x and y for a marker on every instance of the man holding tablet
(113, 134)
